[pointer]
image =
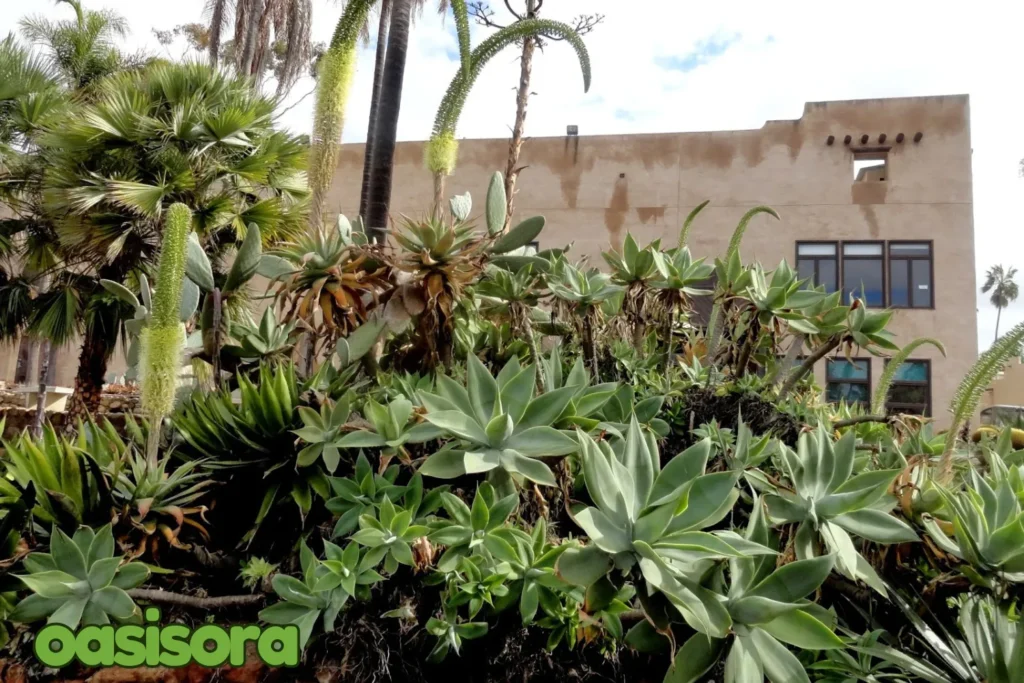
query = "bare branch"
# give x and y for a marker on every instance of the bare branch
(483, 14)
(583, 24)
(518, 16)
(162, 597)
(860, 419)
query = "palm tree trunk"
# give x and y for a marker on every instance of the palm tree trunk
(92, 365)
(522, 96)
(378, 76)
(386, 131)
(251, 36)
(999, 313)
(216, 22)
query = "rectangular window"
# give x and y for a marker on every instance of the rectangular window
(863, 272)
(910, 275)
(870, 167)
(848, 380)
(818, 263)
(911, 390)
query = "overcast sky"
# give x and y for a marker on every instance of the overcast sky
(669, 65)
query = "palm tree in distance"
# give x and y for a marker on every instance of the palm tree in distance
(999, 281)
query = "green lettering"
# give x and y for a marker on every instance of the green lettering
(131, 651)
(174, 645)
(152, 614)
(279, 646)
(210, 633)
(57, 635)
(95, 645)
(240, 635)
(152, 645)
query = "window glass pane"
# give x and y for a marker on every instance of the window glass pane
(865, 275)
(805, 270)
(908, 393)
(862, 249)
(848, 391)
(921, 283)
(827, 274)
(915, 249)
(898, 293)
(816, 250)
(912, 371)
(844, 369)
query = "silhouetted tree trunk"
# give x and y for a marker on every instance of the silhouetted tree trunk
(515, 145)
(378, 76)
(45, 358)
(386, 129)
(216, 23)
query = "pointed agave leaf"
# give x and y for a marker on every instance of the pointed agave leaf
(697, 655)
(583, 566)
(879, 526)
(780, 665)
(795, 580)
(800, 629)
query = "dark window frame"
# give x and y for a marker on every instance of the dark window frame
(910, 291)
(816, 259)
(882, 257)
(898, 382)
(867, 382)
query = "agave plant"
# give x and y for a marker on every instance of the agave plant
(271, 341)
(441, 259)
(678, 277)
(325, 587)
(648, 518)
(829, 504)
(71, 488)
(80, 581)
(513, 296)
(497, 425)
(634, 269)
(985, 525)
(584, 292)
(768, 610)
(587, 400)
(327, 281)
(155, 504)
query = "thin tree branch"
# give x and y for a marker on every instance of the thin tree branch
(163, 597)
(518, 16)
(298, 102)
(808, 364)
(483, 14)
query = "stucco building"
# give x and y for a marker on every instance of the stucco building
(873, 195)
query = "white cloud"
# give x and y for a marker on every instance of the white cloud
(788, 53)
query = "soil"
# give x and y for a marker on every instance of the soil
(699, 405)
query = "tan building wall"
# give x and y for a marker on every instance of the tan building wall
(594, 189)
(1007, 388)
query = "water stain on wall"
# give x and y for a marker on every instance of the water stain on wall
(615, 214)
(646, 214)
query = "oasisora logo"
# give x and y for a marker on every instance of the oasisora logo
(173, 645)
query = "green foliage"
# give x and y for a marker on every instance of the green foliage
(164, 338)
(326, 585)
(496, 424)
(80, 581)
(893, 366)
(829, 504)
(972, 386)
(442, 149)
(497, 204)
(684, 232)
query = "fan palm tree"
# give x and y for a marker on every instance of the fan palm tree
(82, 49)
(170, 133)
(999, 281)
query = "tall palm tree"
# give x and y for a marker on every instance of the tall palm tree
(999, 281)
(82, 50)
(383, 41)
(267, 35)
(386, 121)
